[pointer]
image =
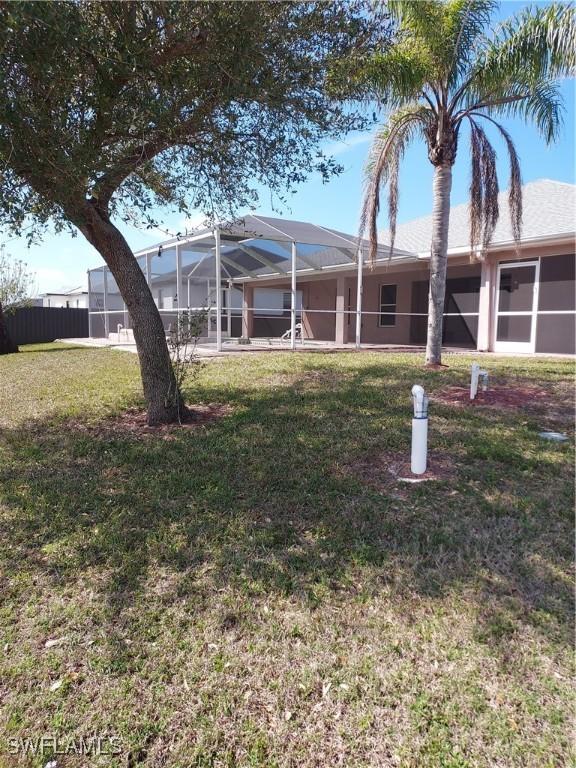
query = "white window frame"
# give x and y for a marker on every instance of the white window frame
(517, 346)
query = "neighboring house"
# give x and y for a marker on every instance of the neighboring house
(73, 298)
(511, 301)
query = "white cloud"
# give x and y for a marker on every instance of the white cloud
(196, 221)
(188, 224)
(340, 147)
(48, 279)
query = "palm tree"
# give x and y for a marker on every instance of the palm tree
(445, 72)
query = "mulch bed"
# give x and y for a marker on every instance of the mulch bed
(512, 396)
(133, 422)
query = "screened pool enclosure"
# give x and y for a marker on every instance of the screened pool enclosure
(256, 277)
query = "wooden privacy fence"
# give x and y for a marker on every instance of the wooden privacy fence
(36, 325)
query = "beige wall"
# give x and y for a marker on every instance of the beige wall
(339, 289)
(489, 288)
(319, 295)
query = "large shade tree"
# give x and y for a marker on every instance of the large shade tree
(449, 70)
(112, 108)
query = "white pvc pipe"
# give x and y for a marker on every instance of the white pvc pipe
(474, 374)
(419, 457)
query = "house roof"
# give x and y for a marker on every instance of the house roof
(261, 247)
(549, 209)
(66, 291)
(251, 227)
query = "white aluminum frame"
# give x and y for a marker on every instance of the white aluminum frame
(359, 290)
(218, 290)
(293, 298)
(213, 241)
(517, 346)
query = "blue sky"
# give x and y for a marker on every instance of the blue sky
(62, 260)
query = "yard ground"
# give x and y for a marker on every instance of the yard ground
(260, 590)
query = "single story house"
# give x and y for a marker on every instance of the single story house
(278, 275)
(75, 298)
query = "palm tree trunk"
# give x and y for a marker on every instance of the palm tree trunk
(7, 346)
(438, 258)
(163, 398)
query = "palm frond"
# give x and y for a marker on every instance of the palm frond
(514, 183)
(543, 106)
(476, 191)
(393, 190)
(416, 15)
(465, 22)
(382, 169)
(395, 77)
(484, 210)
(425, 25)
(539, 42)
(533, 48)
(540, 104)
(446, 30)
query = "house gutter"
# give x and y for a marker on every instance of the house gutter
(464, 250)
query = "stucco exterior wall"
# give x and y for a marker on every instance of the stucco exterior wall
(338, 289)
(319, 295)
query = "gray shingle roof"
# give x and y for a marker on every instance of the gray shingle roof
(549, 209)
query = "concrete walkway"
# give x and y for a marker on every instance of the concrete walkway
(207, 349)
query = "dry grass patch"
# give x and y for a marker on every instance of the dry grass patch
(261, 592)
(389, 471)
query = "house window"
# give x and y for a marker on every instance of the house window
(286, 300)
(387, 305)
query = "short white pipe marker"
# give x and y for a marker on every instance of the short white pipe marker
(419, 458)
(475, 375)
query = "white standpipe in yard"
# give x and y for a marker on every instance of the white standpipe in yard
(419, 431)
(475, 377)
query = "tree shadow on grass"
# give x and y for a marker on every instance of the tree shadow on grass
(25, 349)
(262, 502)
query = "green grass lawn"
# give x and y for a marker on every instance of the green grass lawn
(241, 594)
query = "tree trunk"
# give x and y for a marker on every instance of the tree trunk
(163, 399)
(438, 260)
(7, 346)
